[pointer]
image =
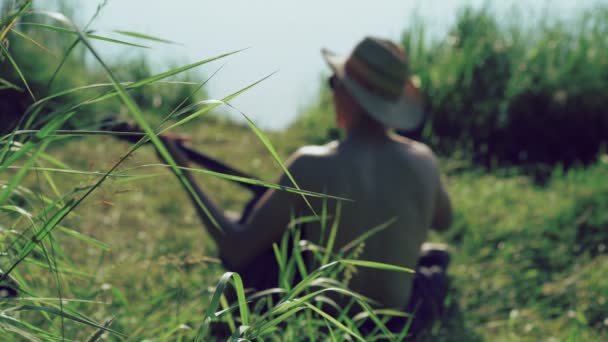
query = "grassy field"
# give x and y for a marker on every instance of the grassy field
(529, 261)
(119, 254)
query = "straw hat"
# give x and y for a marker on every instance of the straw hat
(376, 75)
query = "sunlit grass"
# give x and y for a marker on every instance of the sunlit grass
(98, 255)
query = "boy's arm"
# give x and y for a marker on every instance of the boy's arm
(442, 216)
(239, 243)
(214, 219)
(442, 213)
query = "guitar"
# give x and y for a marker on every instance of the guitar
(132, 133)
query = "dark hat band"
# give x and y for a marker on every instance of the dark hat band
(387, 87)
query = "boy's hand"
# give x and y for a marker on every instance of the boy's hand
(177, 137)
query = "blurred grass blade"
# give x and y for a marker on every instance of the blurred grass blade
(33, 41)
(99, 333)
(4, 84)
(89, 240)
(54, 161)
(145, 36)
(73, 32)
(331, 331)
(215, 301)
(367, 234)
(18, 70)
(62, 62)
(11, 19)
(297, 254)
(281, 264)
(270, 148)
(138, 116)
(240, 292)
(238, 179)
(268, 325)
(215, 103)
(332, 234)
(39, 236)
(376, 265)
(46, 131)
(23, 328)
(42, 101)
(334, 321)
(127, 85)
(110, 40)
(7, 190)
(179, 70)
(75, 172)
(288, 305)
(74, 318)
(301, 286)
(229, 319)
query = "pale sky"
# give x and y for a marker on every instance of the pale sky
(283, 35)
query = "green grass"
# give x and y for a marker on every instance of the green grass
(518, 271)
(97, 254)
(527, 257)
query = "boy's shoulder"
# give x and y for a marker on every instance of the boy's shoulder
(415, 148)
(318, 151)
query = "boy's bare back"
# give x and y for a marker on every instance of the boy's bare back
(388, 178)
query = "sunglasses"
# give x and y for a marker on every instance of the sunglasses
(333, 81)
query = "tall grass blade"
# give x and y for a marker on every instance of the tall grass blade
(181, 69)
(145, 36)
(42, 134)
(138, 116)
(332, 234)
(238, 179)
(96, 336)
(297, 254)
(73, 32)
(23, 328)
(80, 172)
(39, 236)
(215, 300)
(127, 85)
(4, 84)
(331, 331)
(12, 17)
(62, 62)
(287, 305)
(268, 325)
(367, 234)
(376, 265)
(281, 262)
(85, 238)
(334, 321)
(270, 148)
(17, 70)
(16, 180)
(33, 41)
(301, 286)
(69, 316)
(213, 104)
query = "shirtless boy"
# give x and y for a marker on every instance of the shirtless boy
(387, 176)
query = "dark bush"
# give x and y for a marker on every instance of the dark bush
(512, 95)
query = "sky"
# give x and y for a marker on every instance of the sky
(281, 35)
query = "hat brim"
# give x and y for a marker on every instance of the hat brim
(402, 113)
